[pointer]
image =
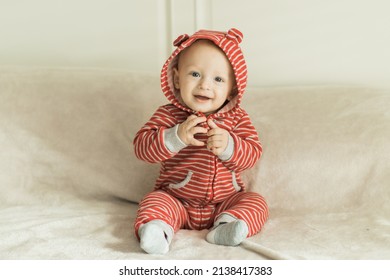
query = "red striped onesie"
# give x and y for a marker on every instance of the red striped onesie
(195, 186)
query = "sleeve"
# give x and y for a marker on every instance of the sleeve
(247, 146)
(149, 142)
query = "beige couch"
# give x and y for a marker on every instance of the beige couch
(70, 182)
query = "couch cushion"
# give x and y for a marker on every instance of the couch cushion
(325, 148)
(71, 131)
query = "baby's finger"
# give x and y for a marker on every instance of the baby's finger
(198, 129)
(194, 120)
(214, 132)
(214, 143)
(196, 142)
(215, 151)
(212, 124)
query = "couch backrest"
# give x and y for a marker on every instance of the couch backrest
(68, 133)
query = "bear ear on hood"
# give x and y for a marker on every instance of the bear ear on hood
(235, 35)
(179, 40)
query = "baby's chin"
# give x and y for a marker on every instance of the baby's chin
(204, 112)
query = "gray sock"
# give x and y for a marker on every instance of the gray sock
(155, 237)
(228, 233)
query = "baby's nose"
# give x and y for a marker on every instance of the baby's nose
(204, 84)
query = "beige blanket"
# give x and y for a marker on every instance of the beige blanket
(70, 183)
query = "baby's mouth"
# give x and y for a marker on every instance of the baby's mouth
(202, 98)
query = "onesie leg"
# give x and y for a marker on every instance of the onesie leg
(228, 231)
(155, 237)
(247, 206)
(159, 216)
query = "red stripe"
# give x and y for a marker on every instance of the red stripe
(250, 207)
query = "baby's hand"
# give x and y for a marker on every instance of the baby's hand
(189, 128)
(218, 138)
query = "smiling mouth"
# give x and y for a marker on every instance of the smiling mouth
(201, 98)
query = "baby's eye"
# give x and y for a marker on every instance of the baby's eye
(218, 79)
(195, 74)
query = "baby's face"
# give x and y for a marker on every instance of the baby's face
(204, 77)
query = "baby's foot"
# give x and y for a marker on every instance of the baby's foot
(229, 234)
(155, 237)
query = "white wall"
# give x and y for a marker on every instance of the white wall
(314, 41)
(81, 33)
(286, 42)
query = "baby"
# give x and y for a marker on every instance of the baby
(203, 140)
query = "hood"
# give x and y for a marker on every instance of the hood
(228, 42)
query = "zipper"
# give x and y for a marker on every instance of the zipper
(210, 195)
